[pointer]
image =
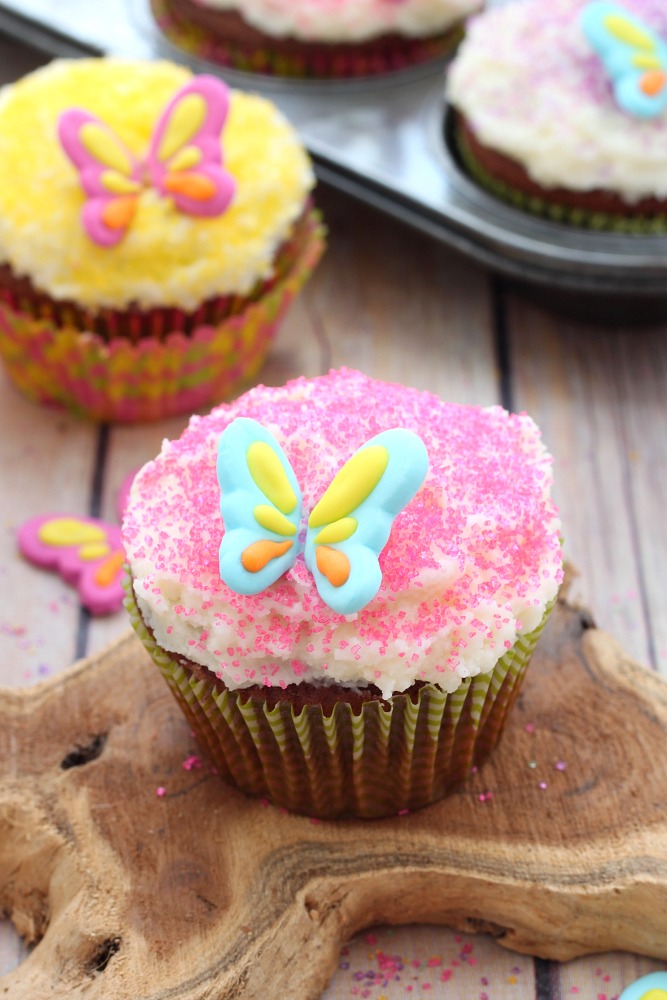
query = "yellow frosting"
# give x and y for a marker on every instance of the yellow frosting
(166, 257)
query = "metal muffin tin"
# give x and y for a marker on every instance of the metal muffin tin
(384, 141)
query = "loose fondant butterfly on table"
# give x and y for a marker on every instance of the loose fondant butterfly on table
(86, 551)
(183, 161)
(633, 55)
(88, 554)
(262, 504)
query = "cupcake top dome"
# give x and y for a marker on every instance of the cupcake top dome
(347, 20)
(471, 562)
(171, 252)
(531, 85)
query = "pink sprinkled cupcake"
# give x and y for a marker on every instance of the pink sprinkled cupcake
(344, 598)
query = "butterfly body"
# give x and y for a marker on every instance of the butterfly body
(262, 507)
(183, 161)
(634, 57)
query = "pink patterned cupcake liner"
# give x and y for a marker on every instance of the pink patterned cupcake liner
(123, 380)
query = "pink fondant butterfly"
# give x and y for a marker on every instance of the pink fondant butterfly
(184, 161)
(87, 552)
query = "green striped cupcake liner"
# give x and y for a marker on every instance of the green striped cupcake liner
(393, 756)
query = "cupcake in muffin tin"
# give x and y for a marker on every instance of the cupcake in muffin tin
(538, 90)
(315, 38)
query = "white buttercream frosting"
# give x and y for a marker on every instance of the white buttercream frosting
(471, 562)
(531, 87)
(347, 20)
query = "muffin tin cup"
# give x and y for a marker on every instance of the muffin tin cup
(312, 60)
(124, 380)
(394, 756)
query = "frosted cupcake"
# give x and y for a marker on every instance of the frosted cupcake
(344, 598)
(154, 228)
(562, 109)
(315, 38)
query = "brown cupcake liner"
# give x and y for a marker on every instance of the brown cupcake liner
(395, 755)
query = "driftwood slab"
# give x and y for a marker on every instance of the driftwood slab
(557, 847)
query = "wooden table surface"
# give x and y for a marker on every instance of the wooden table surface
(400, 307)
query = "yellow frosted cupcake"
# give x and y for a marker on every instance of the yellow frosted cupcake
(154, 227)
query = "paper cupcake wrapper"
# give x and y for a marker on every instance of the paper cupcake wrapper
(393, 756)
(314, 61)
(123, 380)
(582, 217)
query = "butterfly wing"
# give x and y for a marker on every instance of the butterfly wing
(86, 552)
(350, 525)
(108, 173)
(185, 156)
(633, 56)
(261, 506)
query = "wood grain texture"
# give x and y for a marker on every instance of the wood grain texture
(599, 397)
(207, 893)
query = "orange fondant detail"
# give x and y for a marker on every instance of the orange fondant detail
(653, 82)
(106, 572)
(196, 186)
(257, 555)
(119, 212)
(333, 564)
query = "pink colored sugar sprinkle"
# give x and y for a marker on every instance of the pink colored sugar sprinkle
(160, 791)
(192, 763)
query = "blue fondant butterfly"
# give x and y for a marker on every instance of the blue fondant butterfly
(261, 505)
(633, 56)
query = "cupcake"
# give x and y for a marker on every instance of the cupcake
(561, 109)
(342, 581)
(154, 228)
(315, 38)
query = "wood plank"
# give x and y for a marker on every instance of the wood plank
(47, 461)
(599, 396)
(256, 903)
(401, 307)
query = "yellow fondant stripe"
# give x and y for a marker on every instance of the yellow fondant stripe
(102, 145)
(186, 158)
(118, 183)
(273, 520)
(350, 487)
(644, 60)
(257, 555)
(269, 475)
(93, 550)
(627, 32)
(337, 532)
(185, 120)
(64, 531)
